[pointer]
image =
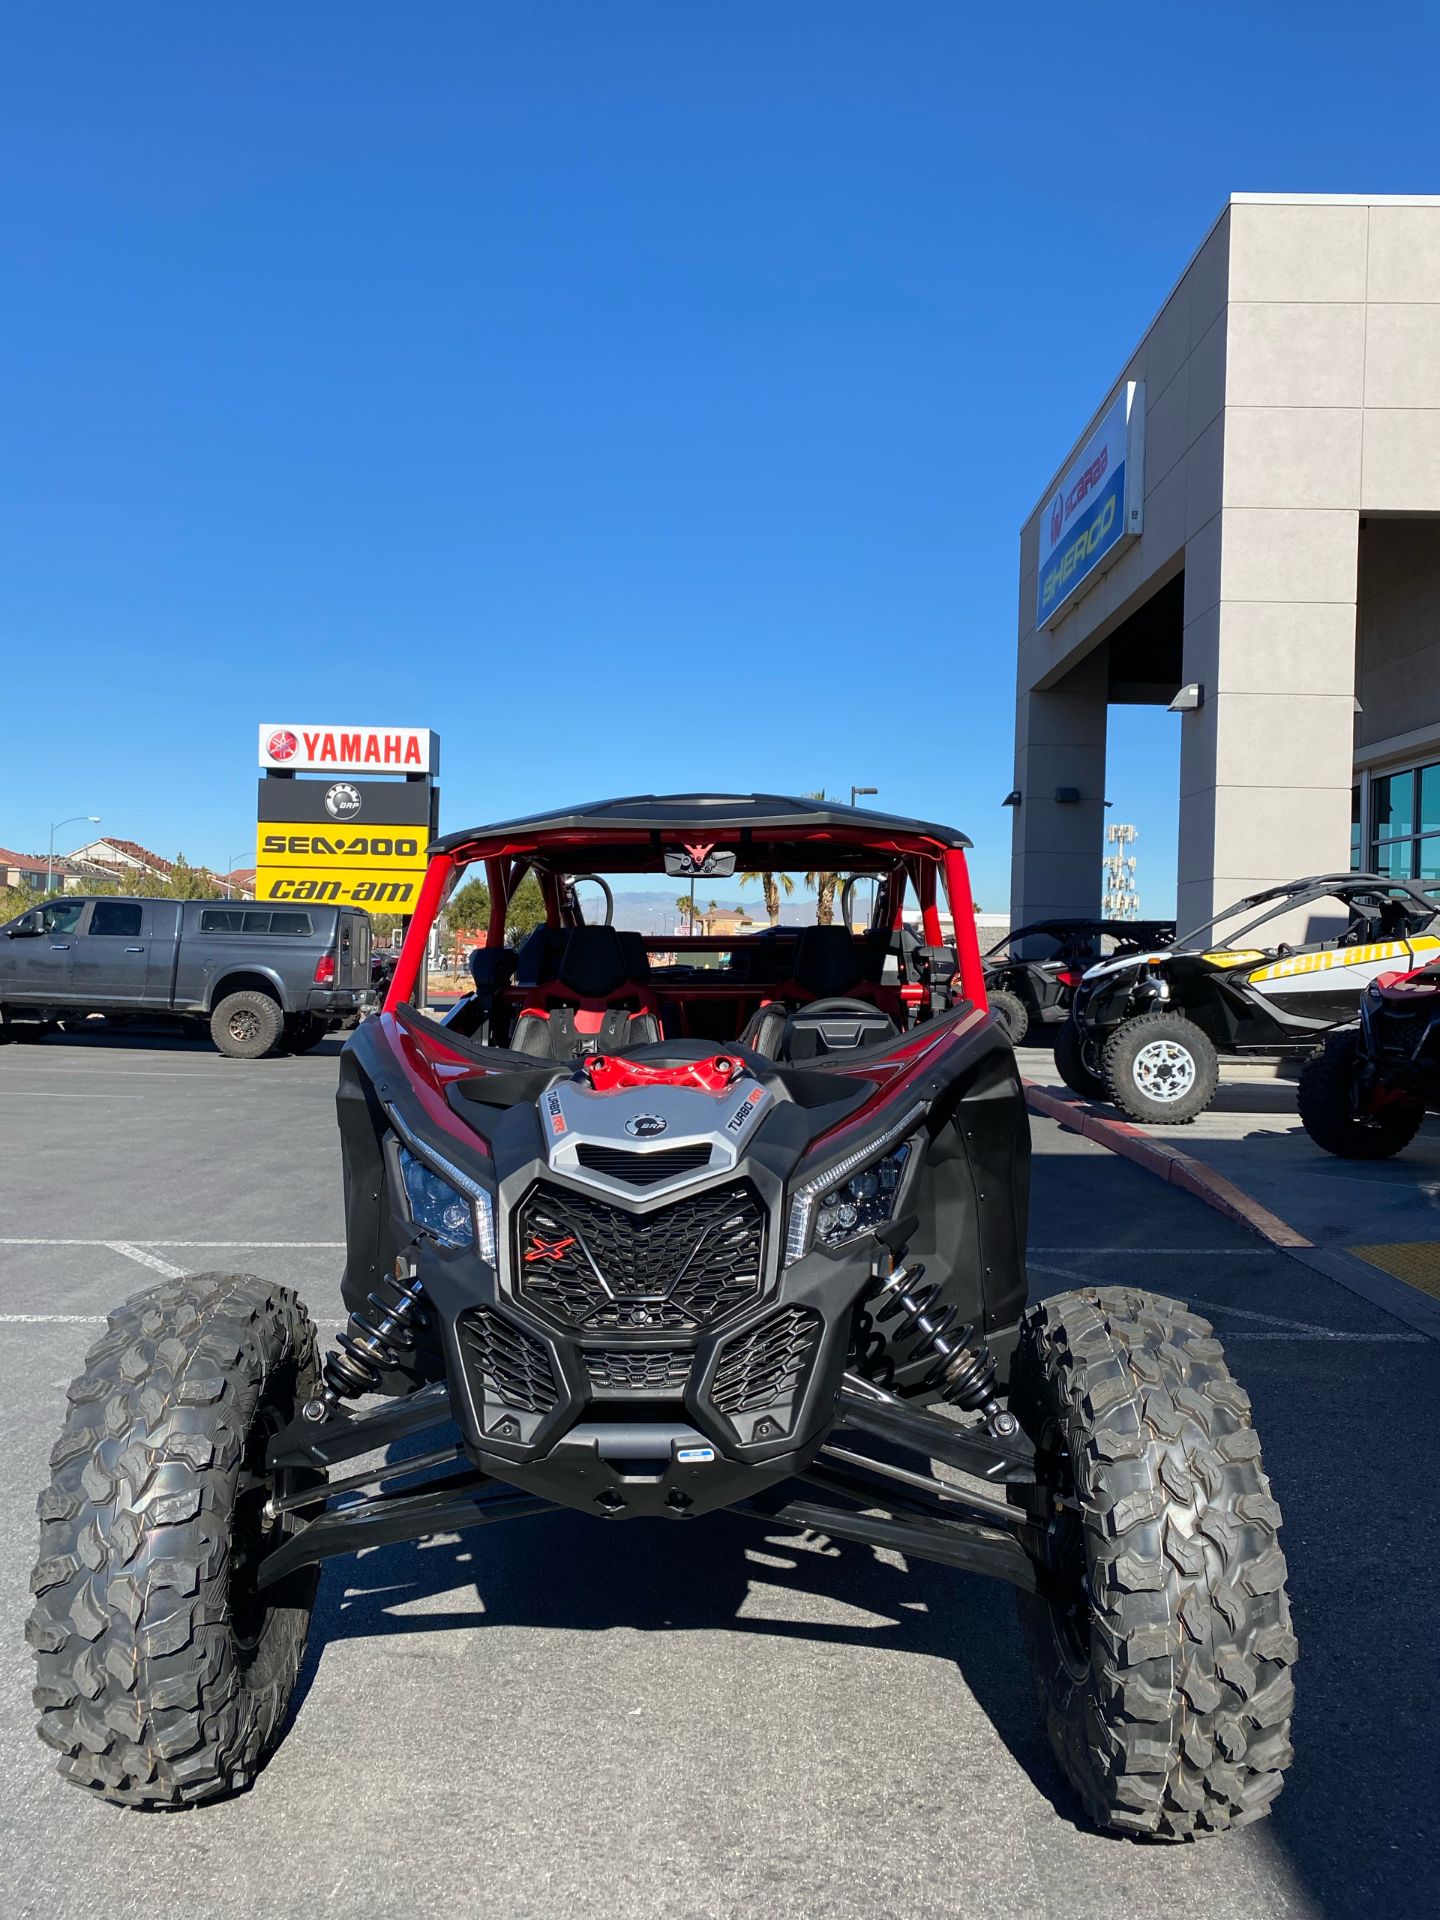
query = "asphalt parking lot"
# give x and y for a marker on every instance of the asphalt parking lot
(565, 1718)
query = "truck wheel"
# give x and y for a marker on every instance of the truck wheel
(1011, 1013)
(1160, 1648)
(1339, 1118)
(1160, 1068)
(246, 1026)
(303, 1033)
(164, 1671)
(1071, 1067)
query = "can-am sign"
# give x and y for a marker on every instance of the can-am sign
(1098, 506)
(292, 747)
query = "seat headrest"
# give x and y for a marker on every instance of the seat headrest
(637, 960)
(827, 961)
(593, 963)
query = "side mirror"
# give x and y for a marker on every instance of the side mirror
(23, 928)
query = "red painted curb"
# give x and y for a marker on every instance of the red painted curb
(1170, 1164)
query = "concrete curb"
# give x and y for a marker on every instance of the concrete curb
(1171, 1164)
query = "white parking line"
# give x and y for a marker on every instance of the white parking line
(85, 1320)
(150, 1260)
(1284, 1329)
(328, 1245)
(1169, 1253)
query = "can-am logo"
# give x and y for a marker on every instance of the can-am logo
(1057, 519)
(342, 801)
(282, 744)
(645, 1126)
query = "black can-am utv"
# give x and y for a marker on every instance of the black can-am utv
(641, 1238)
(1365, 1094)
(1147, 1031)
(1031, 975)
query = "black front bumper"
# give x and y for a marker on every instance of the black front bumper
(621, 1423)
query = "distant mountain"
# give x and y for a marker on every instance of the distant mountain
(655, 912)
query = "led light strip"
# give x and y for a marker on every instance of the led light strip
(481, 1205)
(802, 1207)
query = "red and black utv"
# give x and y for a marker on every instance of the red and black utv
(1365, 1094)
(641, 1237)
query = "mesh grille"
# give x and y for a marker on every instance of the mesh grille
(763, 1368)
(637, 1372)
(644, 1169)
(592, 1264)
(513, 1365)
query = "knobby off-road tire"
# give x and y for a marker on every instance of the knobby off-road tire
(247, 1025)
(1071, 1067)
(1012, 1013)
(164, 1674)
(1160, 1069)
(1328, 1112)
(1162, 1657)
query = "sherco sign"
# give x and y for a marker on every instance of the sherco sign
(291, 747)
(1098, 505)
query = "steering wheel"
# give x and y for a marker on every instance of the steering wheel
(573, 882)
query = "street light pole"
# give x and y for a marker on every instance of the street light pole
(855, 790)
(55, 825)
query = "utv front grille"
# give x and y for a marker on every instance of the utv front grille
(643, 1169)
(589, 1263)
(637, 1372)
(762, 1367)
(512, 1366)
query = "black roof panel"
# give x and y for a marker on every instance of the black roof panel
(723, 813)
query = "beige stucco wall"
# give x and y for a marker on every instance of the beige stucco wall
(1293, 383)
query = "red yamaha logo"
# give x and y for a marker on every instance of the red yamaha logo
(541, 1249)
(282, 744)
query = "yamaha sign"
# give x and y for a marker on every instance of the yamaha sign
(1097, 508)
(291, 747)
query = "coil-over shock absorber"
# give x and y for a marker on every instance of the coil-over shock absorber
(375, 1343)
(963, 1369)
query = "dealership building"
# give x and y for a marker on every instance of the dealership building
(1247, 529)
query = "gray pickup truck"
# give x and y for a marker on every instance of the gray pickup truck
(264, 979)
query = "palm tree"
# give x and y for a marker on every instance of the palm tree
(685, 907)
(823, 883)
(773, 884)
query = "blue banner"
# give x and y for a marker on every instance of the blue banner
(1085, 543)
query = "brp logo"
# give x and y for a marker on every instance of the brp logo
(282, 744)
(1057, 519)
(645, 1126)
(342, 802)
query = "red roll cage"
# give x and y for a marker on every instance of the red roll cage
(766, 835)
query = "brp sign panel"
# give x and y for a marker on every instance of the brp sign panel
(288, 746)
(1097, 507)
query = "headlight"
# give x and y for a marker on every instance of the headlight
(449, 1204)
(856, 1195)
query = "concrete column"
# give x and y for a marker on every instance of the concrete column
(1057, 849)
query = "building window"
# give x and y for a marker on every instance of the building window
(1404, 825)
(1357, 834)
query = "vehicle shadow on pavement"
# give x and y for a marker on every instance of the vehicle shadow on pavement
(565, 1572)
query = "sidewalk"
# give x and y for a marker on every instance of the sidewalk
(1376, 1225)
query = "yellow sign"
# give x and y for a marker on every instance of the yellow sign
(294, 844)
(394, 890)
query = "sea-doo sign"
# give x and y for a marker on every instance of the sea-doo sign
(292, 747)
(1097, 507)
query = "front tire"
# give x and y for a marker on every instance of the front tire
(1331, 1113)
(1071, 1065)
(1011, 1013)
(247, 1026)
(1161, 1654)
(1161, 1069)
(164, 1672)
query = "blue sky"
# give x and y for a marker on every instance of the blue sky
(646, 393)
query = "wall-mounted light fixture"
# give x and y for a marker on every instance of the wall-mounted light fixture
(1067, 796)
(1189, 699)
(1012, 799)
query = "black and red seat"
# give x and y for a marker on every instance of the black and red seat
(826, 1006)
(598, 1000)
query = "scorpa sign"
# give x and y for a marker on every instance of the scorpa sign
(290, 747)
(1097, 506)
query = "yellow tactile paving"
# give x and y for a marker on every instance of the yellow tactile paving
(1416, 1262)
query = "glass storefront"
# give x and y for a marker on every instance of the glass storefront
(1404, 825)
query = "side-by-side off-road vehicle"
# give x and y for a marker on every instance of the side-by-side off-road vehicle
(1365, 1094)
(1031, 975)
(1147, 1030)
(634, 1237)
